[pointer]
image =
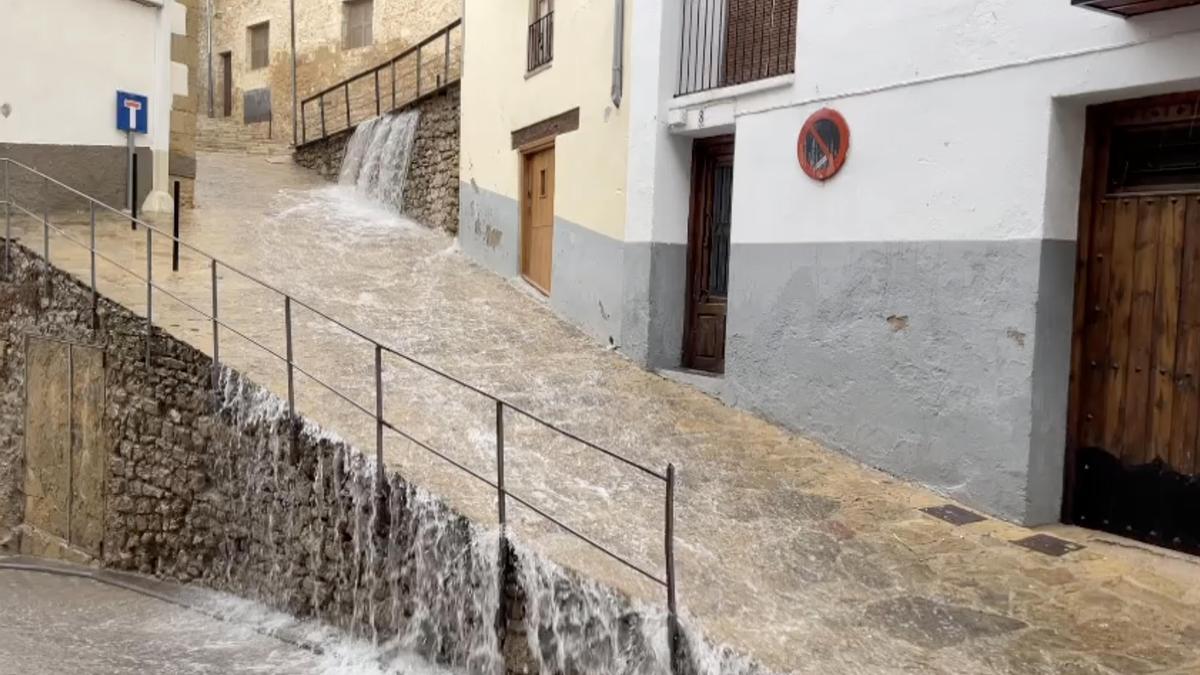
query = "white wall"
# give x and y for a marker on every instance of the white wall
(63, 61)
(953, 105)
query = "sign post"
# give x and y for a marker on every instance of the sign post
(133, 117)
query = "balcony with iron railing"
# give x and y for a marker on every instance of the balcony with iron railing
(729, 42)
(541, 43)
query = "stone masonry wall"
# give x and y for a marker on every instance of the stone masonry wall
(226, 490)
(431, 195)
(322, 58)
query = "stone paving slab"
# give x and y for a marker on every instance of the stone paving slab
(786, 551)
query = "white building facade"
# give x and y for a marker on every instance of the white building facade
(975, 301)
(64, 61)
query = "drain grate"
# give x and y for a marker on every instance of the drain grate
(1048, 545)
(955, 515)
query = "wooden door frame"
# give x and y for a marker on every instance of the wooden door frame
(701, 147)
(525, 155)
(1101, 121)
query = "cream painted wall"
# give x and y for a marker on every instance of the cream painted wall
(498, 98)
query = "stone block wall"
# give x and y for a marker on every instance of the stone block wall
(322, 58)
(225, 489)
(185, 57)
(431, 195)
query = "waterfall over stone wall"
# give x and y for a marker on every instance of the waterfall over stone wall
(378, 157)
(249, 500)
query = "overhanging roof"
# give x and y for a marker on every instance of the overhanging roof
(1128, 8)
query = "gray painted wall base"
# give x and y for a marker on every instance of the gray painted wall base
(941, 362)
(96, 170)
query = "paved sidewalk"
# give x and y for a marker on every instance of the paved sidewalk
(793, 554)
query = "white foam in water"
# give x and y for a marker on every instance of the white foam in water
(429, 587)
(378, 155)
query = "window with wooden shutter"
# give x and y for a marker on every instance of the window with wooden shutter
(260, 46)
(356, 23)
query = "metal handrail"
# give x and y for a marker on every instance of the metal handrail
(503, 494)
(344, 85)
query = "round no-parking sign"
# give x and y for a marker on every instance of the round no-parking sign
(823, 144)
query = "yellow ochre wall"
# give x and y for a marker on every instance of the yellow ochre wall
(498, 98)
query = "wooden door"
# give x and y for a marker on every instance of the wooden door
(537, 222)
(1135, 389)
(708, 254)
(227, 83)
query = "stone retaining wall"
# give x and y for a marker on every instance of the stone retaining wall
(226, 490)
(431, 195)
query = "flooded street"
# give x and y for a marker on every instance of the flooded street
(54, 624)
(786, 551)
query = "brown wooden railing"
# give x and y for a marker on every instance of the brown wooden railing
(427, 68)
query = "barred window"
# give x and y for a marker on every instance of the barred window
(356, 23)
(260, 46)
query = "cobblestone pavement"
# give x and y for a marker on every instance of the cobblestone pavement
(51, 624)
(787, 551)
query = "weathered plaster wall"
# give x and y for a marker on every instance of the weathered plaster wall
(321, 59)
(499, 98)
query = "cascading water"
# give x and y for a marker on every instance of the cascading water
(307, 528)
(378, 156)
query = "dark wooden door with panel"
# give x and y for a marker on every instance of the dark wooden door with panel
(1135, 389)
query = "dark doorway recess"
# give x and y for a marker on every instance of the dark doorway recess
(709, 230)
(1132, 445)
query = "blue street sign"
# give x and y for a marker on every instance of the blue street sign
(133, 112)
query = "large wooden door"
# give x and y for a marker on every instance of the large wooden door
(227, 84)
(1135, 388)
(537, 222)
(708, 254)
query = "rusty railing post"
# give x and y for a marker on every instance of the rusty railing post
(149, 290)
(393, 84)
(287, 336)
(46, 220)
(133, 201)
(418, 72)
(175, 232)
(377, 101)
(346, 88)
(303, 126)
(502, 516)
(672, 609)
(216, 357)
(7, 223)
(321, 105)
(92, 260)
(379, 416)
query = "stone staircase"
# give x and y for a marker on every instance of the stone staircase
(230, 135)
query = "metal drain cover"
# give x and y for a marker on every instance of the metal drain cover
(1049, 545)
(955, 515)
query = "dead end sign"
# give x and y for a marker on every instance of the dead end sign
(133, 112)
(823, 144)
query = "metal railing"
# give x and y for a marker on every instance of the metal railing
(408, 77)
(666, 581)
(728, 42)
(540, 49)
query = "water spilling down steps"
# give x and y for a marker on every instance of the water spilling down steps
(378, 157)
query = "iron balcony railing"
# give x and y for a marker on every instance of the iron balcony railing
(423, 70)
(666, 477)
(728, 42)
(541, 42)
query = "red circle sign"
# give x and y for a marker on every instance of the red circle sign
(823, 144)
